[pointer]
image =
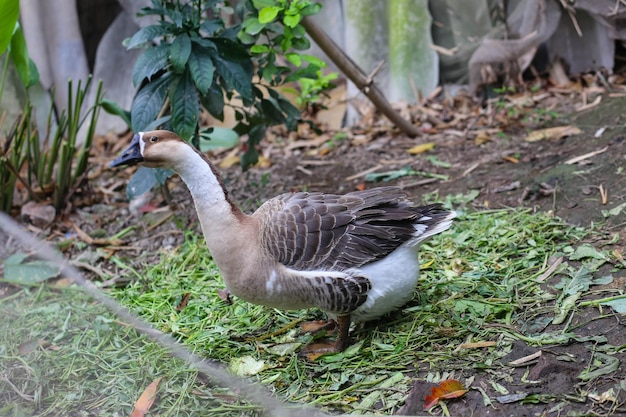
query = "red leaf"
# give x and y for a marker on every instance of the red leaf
(450, 388)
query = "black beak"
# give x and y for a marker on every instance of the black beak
(131, 156)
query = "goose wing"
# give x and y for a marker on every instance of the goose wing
(315, 231)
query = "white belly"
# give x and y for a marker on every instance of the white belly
(393, 281)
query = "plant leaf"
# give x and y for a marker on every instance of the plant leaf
(587, 251)
(113, 108)
(144, 35)
(554, 133)
(246, 366)
(151, 61)
(184, 103)
(292, 20)
(450, 388)
(236, 76)
(201, 68)
(141, 182)
(19, 56)
(218, 138)
(9, 11)
(18, 270)
(179, 52)
(619, 305)
(267, 14)
(148, 103)
(213, 102)
(146, 399)
(421, 148)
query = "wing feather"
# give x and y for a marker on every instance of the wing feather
(307, 231)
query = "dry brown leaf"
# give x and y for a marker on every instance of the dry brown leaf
(421, 148)
(263, 162)
(229, 161)
(476, 345)
(482, 137)
(146, 399)
(554, 133)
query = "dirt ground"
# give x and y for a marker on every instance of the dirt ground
(505, 170)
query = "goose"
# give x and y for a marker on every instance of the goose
(354, 256)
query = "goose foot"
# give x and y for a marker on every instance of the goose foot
(314, 350)
(316, 326)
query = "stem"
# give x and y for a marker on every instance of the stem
(601, 300)
(356, 75)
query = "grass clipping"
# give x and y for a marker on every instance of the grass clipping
(479, 280)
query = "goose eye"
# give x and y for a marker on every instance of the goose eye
(154, 139)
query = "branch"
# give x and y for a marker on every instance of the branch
(356, 75)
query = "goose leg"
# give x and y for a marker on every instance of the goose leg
(316, 349)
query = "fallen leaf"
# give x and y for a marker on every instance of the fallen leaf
(476, 345)
(450, 388)
(511, 159)
(229, 161)
(183, 302)
(554, 133)
(18, 269)
(482, 137)
(421, 148)
(246, 366)
(146, 399)
(27, 347)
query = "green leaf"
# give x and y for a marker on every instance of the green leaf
(252, 26)
(201, 68)
(313, 60)
(148, 103)
(160, 123)
(210, 27)
(300, 44)
(604, 365)
(179, 52)
(267, 14)
(145, 34)
(213, 102)
(587, 251)
(151, 61)
(218, 138)
(311, 9)
(272, 111)
(259, 4)
(19, 56)
(259, 49)
(615, 211)
(236, 76)
(294, 58)
(184, 103)
(18, 270)
(141, 182)
(113, 108)
(292, 21)
(231, 50)
(9, 11)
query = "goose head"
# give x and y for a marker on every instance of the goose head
(154, 149)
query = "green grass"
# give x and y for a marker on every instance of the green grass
(480, 281)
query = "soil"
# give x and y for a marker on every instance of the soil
(506, 170)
